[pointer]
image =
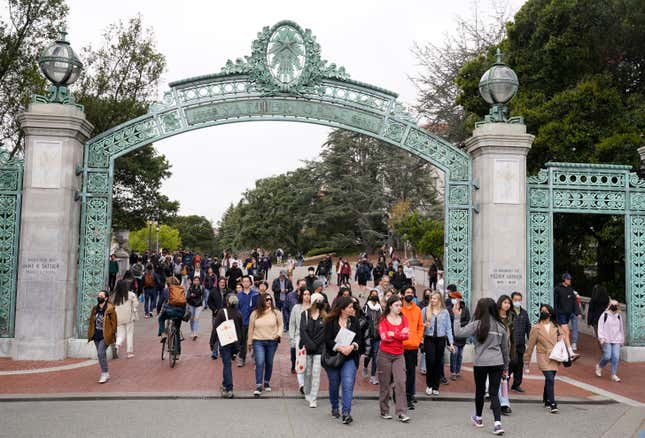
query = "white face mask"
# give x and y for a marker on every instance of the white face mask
(454, 301)
(517, 303)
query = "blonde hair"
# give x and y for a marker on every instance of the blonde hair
(442, 305)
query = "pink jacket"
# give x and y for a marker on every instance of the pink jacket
(610, 328)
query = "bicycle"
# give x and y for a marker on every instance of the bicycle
(172, 340)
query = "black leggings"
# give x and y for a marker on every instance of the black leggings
(434, 348)
(494, 374)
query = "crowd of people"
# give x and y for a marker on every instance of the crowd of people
(390, 335)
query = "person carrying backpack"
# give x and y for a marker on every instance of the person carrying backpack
(150, 285)
(611, 335)
(173, 307)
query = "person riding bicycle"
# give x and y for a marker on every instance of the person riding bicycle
(173, 307)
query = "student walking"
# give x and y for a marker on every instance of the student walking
(265, 330)
(437, 331)
(227, 351)
(312, 337)
(195, 299)
(393, 330)
(304, 302)
(412, 314)
(102, 329)
(491, 356)
(125, 305)
(611, 335)
(372, 311)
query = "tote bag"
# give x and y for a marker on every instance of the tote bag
(301, 356)
(226, 331)
(559, 352)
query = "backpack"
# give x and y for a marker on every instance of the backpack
(176, 295)
(149, 280)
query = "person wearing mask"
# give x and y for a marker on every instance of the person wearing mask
(195, 298)
(491, 356)
(508, 319)
(248, 300)
(393, 330)
(343, 373)
(412, 314)
(611, 335)
(436, 321)
(228, 351)
(210, 284)
(233, 275)
(521, 333)
(544, 335)
(265, 330)
(312, 337)
(281, 287)
(101, 329)
(455, 299)
(215, 303)
(425, 302)
(125, 305)
(597, 306)
(399, 280)
(303, 303)
(566, 307)
(372, 311)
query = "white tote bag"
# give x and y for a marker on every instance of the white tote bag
(226, 331)
(559, 352)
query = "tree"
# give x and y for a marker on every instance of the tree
(31, 26)
(169, 238)
(425, 234)
(196, 233)
(120, 82)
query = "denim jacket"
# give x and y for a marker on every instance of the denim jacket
(444, 326)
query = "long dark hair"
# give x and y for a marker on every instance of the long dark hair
(339, 305)
(501, 300)
(259, 307)
(388, 306)
(121, 291)
(485, 311)
(551, 313)
(599, 293)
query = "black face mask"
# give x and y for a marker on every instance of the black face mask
(613, 307)
(408, 298)
(374, 298)
(100, 300)
(544, 315)
(427, 298)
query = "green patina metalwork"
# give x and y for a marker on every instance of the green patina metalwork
(589, 189)
(284, 79)
(11, 171)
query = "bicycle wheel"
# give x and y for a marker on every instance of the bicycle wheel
(163, 348)
(172, 347)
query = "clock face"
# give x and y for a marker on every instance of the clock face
(286, 54)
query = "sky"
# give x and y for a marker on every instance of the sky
(212, 167)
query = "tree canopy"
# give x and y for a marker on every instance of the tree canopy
(141, 239)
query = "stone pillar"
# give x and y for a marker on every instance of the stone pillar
(499, 229)
(121, 253)
(49, 227)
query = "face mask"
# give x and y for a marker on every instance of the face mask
(100, 300)
(427, 298)
(408, 298)
(517, 303)
(374, 299)
(544, 315)
(303, 288)
(454, 301)
(613, 307)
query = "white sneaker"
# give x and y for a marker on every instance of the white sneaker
(598, 371)
(435, 392)
(373, 380)
(104, 377)
(574, 346)
(615, 378)
(428, 391)
(313, 404)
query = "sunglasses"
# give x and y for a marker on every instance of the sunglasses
(269, 300)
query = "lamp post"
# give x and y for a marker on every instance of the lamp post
(157, 235)
(61, 66)
(497, 87)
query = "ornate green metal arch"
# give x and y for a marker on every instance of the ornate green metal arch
(284, 79)
(587, 188)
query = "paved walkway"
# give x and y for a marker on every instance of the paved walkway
(197, 375)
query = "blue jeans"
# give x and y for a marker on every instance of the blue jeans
(264, 352)
(227, 372)
(610, 352)
(374, 344)
(150, 294)
(345, 376)
(455, 360)
(548, 395)
(286, 313)
(194, 319)
(207, 293)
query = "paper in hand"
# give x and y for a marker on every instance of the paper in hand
(344, 337)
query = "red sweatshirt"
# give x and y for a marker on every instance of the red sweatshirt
(393, 344)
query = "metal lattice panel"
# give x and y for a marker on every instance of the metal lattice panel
(270, 84)
(10, 202)
(586, 188)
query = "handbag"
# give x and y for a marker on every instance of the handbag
(328, 360)
(226, 332)
(301, 356)
(560, 352)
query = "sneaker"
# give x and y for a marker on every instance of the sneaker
(414, 399)
(386, 416)
(104, 377)
(347, 419)
(313, 404)
(365, 373)
(477, 421)
(574, 346)
(435, 392)
(410, 406)
(506, 410)
(404, 418)
(130, 355)
(267, 387)
(444, 381)
(228, 394)
(428, 391)
(458, 375)
(615, 378)
(258, 391)
(302, 390)
(517, 389)
(453, 377)
(335, 413)
(554, 409)
(423, 372)
(373, 380)
(498, 429)
(598, 371)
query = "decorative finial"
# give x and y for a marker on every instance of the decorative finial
(62, 33)
(498, 55)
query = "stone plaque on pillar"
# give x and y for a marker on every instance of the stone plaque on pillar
(46, 165)
(507, 182)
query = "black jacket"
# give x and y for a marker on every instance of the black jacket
(331, 330)
(233, 275)
(275, 287)
(400, 281)
(564, 300)
(312, 333)
(215, 300)
(310, 282)
(195, 296)
(596, 308)
(521, 327)
(464, 319)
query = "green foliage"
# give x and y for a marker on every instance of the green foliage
(27, 28)
(196, 233)
(318, 251)
(425, 234)
(168, 238)
(120, 81)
